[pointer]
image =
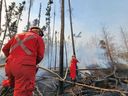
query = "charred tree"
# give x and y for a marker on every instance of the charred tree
(52, 38)
(61, 47)
(29, 12)
(39, 14)
(48, 20)
(1, 3)
(70, 14)
(55, 49)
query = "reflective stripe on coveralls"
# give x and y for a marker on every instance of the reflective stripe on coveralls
(20, 43)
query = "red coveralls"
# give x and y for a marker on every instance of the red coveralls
(23, 52)
(73, 65)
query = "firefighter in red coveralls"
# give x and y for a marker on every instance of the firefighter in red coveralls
(24, 51)
(73, 67)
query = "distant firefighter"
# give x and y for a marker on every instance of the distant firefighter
(73, 67)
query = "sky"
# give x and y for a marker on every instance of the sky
(88, 16)
(92, 15)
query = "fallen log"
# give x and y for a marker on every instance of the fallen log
(2, 65)
(84, 85)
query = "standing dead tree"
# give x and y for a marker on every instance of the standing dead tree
(48, 27)
(29, 13)
(61, 63)
(125, 42)
(108, 45)
(1, 3)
